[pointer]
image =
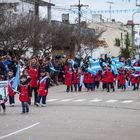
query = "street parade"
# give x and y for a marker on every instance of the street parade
(35, 77)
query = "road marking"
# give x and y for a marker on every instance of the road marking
(52, 100)
(111, 101)
(127, 101)
(96, 100)
(19, 131)
(79, 100)
(65, 100)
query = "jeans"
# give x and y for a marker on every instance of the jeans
(43, 99)
(35, 94)
(110, 85)
(25, 107)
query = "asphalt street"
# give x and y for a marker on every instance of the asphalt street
(76, 116)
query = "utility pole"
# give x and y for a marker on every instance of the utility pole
(110, 9)
(79, 6)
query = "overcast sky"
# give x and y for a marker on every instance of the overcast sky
(96, 5)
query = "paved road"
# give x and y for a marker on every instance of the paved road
(76, 116)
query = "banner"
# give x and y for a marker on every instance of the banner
(3, 89)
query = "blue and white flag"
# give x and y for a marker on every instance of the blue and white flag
(81, 80)
(137, 68)
(92, 71)
(16, 80)
(119, 65)
(53, 69)
(133, 62)
(114, 69)
(116, 59)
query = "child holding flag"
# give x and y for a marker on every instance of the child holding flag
(11, 92)
(44, 83)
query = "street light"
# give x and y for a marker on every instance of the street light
(133, 27)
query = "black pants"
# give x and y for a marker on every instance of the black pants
(110, 85)
(97, 84)
(35, 94)
(25, 107)
(11, 100)
(3, 106)
(123, 87)
(104, 86)
(43, 98)
(68, 88)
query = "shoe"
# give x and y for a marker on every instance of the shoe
(37, 104)
(43, 105)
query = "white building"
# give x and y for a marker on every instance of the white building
(112, 30)
(18, 7)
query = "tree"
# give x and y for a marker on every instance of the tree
(128, 50)
(117, 42)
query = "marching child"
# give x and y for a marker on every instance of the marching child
(123, 80)
(44, 83)
(24, 92)
(104, 79)
(75, 80)
(11, 92)
(110, 80)
(69, 80)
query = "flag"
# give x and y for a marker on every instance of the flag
(116, 59)
(81, 80)
(119, 65)
(114, 69)
(90, 70)
(16, 80)
(81, 64)
(133, 62)
(137, 69)
(53, 69)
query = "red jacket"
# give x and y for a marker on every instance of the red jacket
(42, 90)
(110, 77)
(69, 78)
(24, 93)
(122, 79)
(87, 79)
(10, 90)
(133, 79)
(104, 77)
(97, 77)
(34, 76)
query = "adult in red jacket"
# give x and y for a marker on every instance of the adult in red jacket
(44, 83)
(34, 76)
(69, 80)
(11, 92)
(24, 93)
(110, 80)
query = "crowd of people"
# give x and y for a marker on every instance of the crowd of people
(38, 74)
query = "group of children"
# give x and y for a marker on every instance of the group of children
(124, 78)
(32, 79)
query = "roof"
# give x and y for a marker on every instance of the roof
(42, 3)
